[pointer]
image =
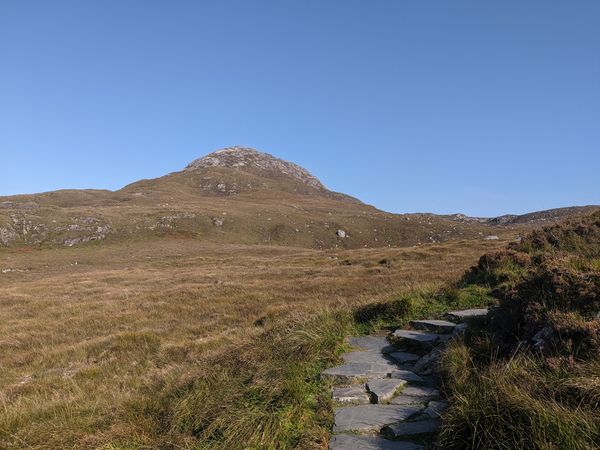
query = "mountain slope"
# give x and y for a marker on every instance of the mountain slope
(548, 216)
(234, 195)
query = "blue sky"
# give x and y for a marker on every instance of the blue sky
(444, 106)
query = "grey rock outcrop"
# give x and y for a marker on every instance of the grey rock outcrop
(249, 158)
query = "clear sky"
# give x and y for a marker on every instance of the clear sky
(480, 107)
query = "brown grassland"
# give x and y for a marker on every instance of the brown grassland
(176, 343)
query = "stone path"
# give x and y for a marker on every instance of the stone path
(385, 392)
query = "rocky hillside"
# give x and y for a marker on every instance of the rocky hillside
(546, 217)
(250, 160)
(234, 195)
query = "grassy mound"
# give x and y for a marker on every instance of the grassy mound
(529, 378)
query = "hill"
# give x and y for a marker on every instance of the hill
(234, 195)
(546, 217)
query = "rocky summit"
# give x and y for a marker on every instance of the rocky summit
(246, 158)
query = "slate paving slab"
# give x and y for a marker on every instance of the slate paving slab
(403, 399)
(366, 418)
(353, 442)
(436, 326)
(369, 357)
(468, 314)
(348, 371)
(411, 429)
(404, 357)
(445, 338)
(420, 391)
(351, 394)
(435, 409)
(417, 337)
(384, 389)
(379, 343)
(407, 375)
(355, 371)
(397, 400)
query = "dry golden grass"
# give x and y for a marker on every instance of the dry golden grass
(87, 333)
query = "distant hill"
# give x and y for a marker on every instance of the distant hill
(544, 217)
(234, 195)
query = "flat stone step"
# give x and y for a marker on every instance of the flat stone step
(467, 314)
(379, 343)
(384, 389)
(445, 338)
(437, 326)
(356, 371)
(356, 394)
(435, 409)
(353, 442)
(369, 357)
(421, 391)
(407, 375)
(367, 418)
(403, 399)
(417, 337)
(410, 429)
(405, 357)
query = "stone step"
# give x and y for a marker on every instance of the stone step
(369, 357)
(354, 442)
(459, 329)
(404, 357)
(384, 389)
(427, 364)
(381, 371)
(467, 314)
(371, 418)
(411, 429)
(403, 399)
(379, 343)
(436, 326)
(417, 338)
(407, 375)
(356, 394)
(421, 391)
(435, 408)
(352, 372)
